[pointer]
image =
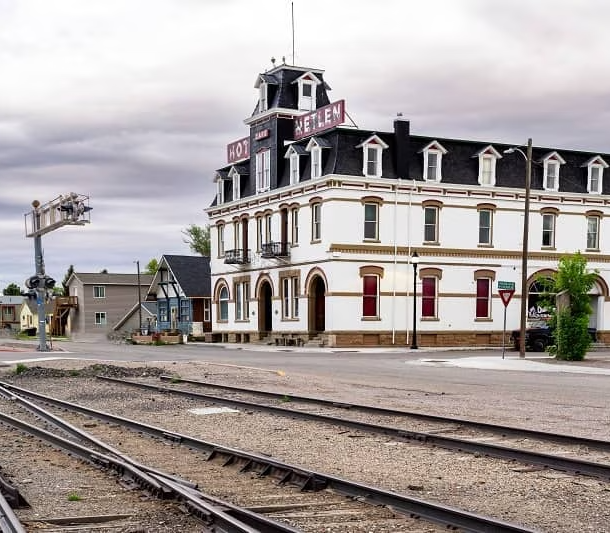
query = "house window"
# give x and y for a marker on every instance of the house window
(485, 226)
(99, 291)
(262, 97)
(487, 168)
(316, 222)
(372, 164)
(551, 175)
(100, 318)
(267, 228)
(259, 233)
(220, 191)
(370, 296)
(223, 304)
(307, 93)
(371, 214)
(483, 306)
(430, 224)
(236, 186)
(290, 297)
(429, 297)
(593, 232)
(294, 216)
(206, 310)
(221, 239)
(263, 172)
(242, 300)
(162, 311)
(595, 179)
(295, 175)
(433, 157)
(185, 310)
(548, 230)
(316, 162)
(236, 236)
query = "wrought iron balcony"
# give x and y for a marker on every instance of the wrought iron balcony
(237, 257)
(275, 249)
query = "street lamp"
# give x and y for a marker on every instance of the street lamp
(526, 218)
(414, 262)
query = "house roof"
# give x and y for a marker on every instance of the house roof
(149, 310)
(11, 300)
(110, 279)
(191, 272)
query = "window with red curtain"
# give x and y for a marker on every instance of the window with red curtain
(483, 296)
(428, 297)
(369, 296)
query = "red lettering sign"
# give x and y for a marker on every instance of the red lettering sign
(263, 134)
(238, 150)
(319, 120)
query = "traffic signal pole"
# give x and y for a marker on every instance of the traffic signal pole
(41, 295)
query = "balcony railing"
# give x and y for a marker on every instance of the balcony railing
(275, 249)
(237, 257)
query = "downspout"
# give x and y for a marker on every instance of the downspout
(409, 217)
(395, 262)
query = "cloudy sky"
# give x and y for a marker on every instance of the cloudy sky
(132, 102)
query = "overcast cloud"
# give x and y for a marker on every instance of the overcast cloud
(133, 102)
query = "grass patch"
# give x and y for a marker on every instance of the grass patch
(20, 369)
(74, 497)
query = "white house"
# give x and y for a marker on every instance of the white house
(315, 225)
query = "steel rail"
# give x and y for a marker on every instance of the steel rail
(557, 438)
(78, 433)
(447, 516)
(9, 523)
(528, 457)
(12, 495)
(209, 510)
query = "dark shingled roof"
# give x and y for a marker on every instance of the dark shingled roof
(192, 272)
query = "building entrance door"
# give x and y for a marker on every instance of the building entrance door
(317, 305)
(265, 311)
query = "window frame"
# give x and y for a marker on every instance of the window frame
(185, 310)
(438, 151)
(549, 232)
(548, 175)
(599, 178)
(489, 228)
(429, 299)
(595, 241)
(220, 239)
(370, 299)
(163, 309)
(316, 162)
(307, 103)
(373, 223)
(99, 292)
(223, 304)
(263, 103)
(263, 171)
(294, 226)
(267, 228)
(482, 298)
(316, 222)
(207, 308)
(372, 167)
(101, 318)
(295, 170)
(435, 225)
(290, 287)
(242, 301)
(236, 186)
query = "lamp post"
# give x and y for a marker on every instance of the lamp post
(414, 262)
(526, 219)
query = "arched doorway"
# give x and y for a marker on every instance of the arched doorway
(265, 311)
(317, 305)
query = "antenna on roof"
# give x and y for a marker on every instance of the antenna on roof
(292, 12)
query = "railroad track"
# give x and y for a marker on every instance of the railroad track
(390, 511)
(474, 442)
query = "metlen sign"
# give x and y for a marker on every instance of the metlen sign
(319, 120)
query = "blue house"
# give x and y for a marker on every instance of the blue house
(182, 289)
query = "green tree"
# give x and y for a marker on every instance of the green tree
(12, 290)
(570, 320)
(198, 239)
(152, 266)
(64, 283)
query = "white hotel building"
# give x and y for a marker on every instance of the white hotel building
(315, 223)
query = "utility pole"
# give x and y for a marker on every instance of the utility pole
(139, 297)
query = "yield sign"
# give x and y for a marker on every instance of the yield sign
(506, 295)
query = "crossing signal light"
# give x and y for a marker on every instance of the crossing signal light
(49, 283)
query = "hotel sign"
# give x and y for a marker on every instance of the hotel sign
(238, 150)
(319, 120)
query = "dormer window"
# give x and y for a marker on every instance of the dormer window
(487, 165)
(293, 155)
(372, 150)
(551, 163)
(595, 174)
(220, 193)
(236, 183)
(314, 147)
(433, 156)
(307, 84)
(262, 97)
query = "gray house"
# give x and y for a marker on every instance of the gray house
(103, 301)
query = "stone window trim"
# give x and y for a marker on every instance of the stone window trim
(371, 270)
(371, 200)
(484, 273)
(549, 211)
(430, 272)
(433, 147)
(488, 207)
(432, 203)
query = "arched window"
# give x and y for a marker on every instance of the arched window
(223, 304)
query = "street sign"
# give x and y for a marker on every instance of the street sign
(506, 295)
(506, 285)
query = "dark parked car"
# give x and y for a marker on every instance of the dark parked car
(539, 335)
